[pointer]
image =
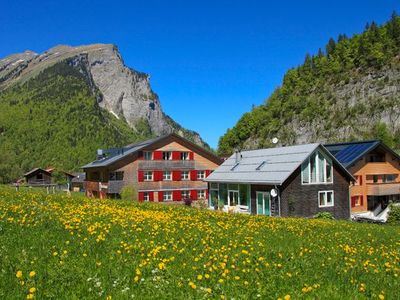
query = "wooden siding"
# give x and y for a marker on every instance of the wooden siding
(363, 168)
(301, 200)
(131, 164)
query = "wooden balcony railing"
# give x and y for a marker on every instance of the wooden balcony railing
(166, 164)
(96, 186)
(383, 189)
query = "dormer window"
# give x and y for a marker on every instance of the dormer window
(184, 155)
(317, 169)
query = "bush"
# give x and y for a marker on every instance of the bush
(128, 193)
(187, 201)
(324, 215)
(394, 215)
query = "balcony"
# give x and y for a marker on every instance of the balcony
(166, 164)
(383, 189)
(96, 186)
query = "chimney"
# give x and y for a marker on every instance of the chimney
(100, 154)
(238, 156)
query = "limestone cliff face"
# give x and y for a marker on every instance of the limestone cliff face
(124, 92)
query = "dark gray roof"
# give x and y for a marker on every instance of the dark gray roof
(79, 177)
(266, 166)
(121, 153)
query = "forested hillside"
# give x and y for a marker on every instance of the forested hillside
(54, 119)
(349, 91)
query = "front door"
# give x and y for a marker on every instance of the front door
(233, 198)
(263, 203)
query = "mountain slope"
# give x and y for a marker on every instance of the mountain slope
(59, 107)
(351, 91)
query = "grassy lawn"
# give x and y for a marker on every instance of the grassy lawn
(70, 247)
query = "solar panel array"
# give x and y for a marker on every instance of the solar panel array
(350, 152)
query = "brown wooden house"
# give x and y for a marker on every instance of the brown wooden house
(164, 169)
(376, 169)
(300, 180)
(38, 177)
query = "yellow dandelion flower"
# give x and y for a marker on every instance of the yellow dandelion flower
(199, 277)
(208, 290)
(287, 297)
(29, 296)
(32, 274)
(382, 297)
(136, 279)
(19, 274)
(32, 290)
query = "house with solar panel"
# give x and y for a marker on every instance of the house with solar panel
(169, 168)
(376, 169)
(300, 180)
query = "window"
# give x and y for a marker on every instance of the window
(317, 169)
(185, 175)
(39, 176)
(184, 155)
(325, 199)
(201, 194)
(148, 155)
(116, 176)
(146, 196)
(357, 200)
(167, 155)
(358, 180)
(389, 178)
(167, 175)
(185, 195)
(375, 178)
(148, 176)
(376, 157)
(201, 174)
(167, 196)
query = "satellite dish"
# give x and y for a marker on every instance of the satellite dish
(274, 193)
(275, 140)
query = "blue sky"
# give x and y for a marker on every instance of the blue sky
(209, 61)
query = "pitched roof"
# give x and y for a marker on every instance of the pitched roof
(120, 153)
(36, 170)
(271, 166)
(349, 153)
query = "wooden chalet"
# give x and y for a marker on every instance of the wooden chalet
(376, 169)
(164, 169)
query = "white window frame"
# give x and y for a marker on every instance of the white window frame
(146, 176)
(186, 196)
(201, 194)
(187, 177)
(185, 155)
(148, 155)
(167, 196)
(167, 176)
(146, 196)
(317, 154)
(167, 155)
(203, 176)
(326, 197)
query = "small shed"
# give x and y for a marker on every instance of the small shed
(38, 176)
(77, 183)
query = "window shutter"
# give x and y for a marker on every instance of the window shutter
(193, 195)
(208, 172)
(140, 176)
(191, 156)
(176, 195)
(160, 196)
(151, 196)
(193, 175)
(141, 196)
(361, 200)
(176, 155)
(176, 175)
(353, 201)
(360, 182)
(157, 155)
